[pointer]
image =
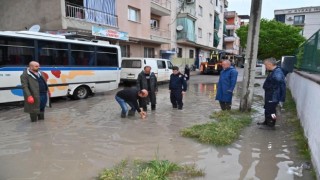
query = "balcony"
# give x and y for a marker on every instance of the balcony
(229, 39)
(188, 13)
(186, 37)
(90, 15)
(161, 7)
(160, 35)
(229, 14)
(230, 26)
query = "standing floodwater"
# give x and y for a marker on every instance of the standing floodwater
(80, 138)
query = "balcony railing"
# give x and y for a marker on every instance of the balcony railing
(164, 3)
(91, 15)
(229, 39)
(160, 33)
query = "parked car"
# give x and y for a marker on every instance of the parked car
(131, 67)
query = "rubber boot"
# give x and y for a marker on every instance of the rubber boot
(41, 116)
(33, 117)
(262, 123)
(131, 113)
(153, 107)
(123, 115)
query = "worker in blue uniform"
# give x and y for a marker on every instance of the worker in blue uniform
(177, 87)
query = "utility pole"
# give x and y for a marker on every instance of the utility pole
(251, 56)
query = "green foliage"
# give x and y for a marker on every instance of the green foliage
(154, 169)
(224, 131)
(275, 39)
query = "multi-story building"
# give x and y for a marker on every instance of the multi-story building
(184, 30)
(231, 40)
(197, 31)
(306, 17)
(139, 27)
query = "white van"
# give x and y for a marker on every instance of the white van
(131, 67)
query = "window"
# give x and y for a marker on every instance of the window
(199, 32)
(280, 17)
(131, 64)
(161, 64)
(125, 50)
(298, 19)
(82, 55)
(217, 2)
(200, 11)
(106, 56)
(16, 51)
(148, 52)
(169, 65)
(133, 14)
(154, 23)
(191, 53)
(52, 53)
(179, 53)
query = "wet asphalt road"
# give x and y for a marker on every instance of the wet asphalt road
(80, 138)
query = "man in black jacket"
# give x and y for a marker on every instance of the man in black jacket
(131, 97)
(147, 80)
(177, 87)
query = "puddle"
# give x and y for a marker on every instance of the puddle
(80, 138)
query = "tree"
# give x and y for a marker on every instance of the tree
(275, 40)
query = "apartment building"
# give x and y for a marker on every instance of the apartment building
(198, 29)
(139, 27)
(231, 40)
(307, 18)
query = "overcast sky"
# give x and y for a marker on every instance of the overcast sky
(242, 7)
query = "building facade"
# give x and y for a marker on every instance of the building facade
(198, 30)
(186, 31)
(139, 27)
(231, 40)
(306, 17)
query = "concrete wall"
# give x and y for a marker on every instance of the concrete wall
(307, 98)
(17, 14)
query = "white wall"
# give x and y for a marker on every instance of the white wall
(307, 97)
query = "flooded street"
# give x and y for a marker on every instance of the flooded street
(80, 138)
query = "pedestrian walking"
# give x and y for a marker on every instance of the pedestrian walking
(148, 80)
(226, 84)
(35, 91)
(274, 93)
(131, 97)
(177, 87)
(187, 72)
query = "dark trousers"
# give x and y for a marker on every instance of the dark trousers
(176, 98)
(143, 102)
(270, 108)
(225, 105)
(43, 102)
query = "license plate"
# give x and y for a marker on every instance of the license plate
(130, 76)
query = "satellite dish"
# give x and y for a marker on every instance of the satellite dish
(35, 28)
(179, 28)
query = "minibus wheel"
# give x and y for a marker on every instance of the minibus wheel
(81, 92)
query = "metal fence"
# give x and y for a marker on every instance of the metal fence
(308, 54)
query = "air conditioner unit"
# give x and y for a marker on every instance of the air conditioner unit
(189, 1)
(289, 19)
